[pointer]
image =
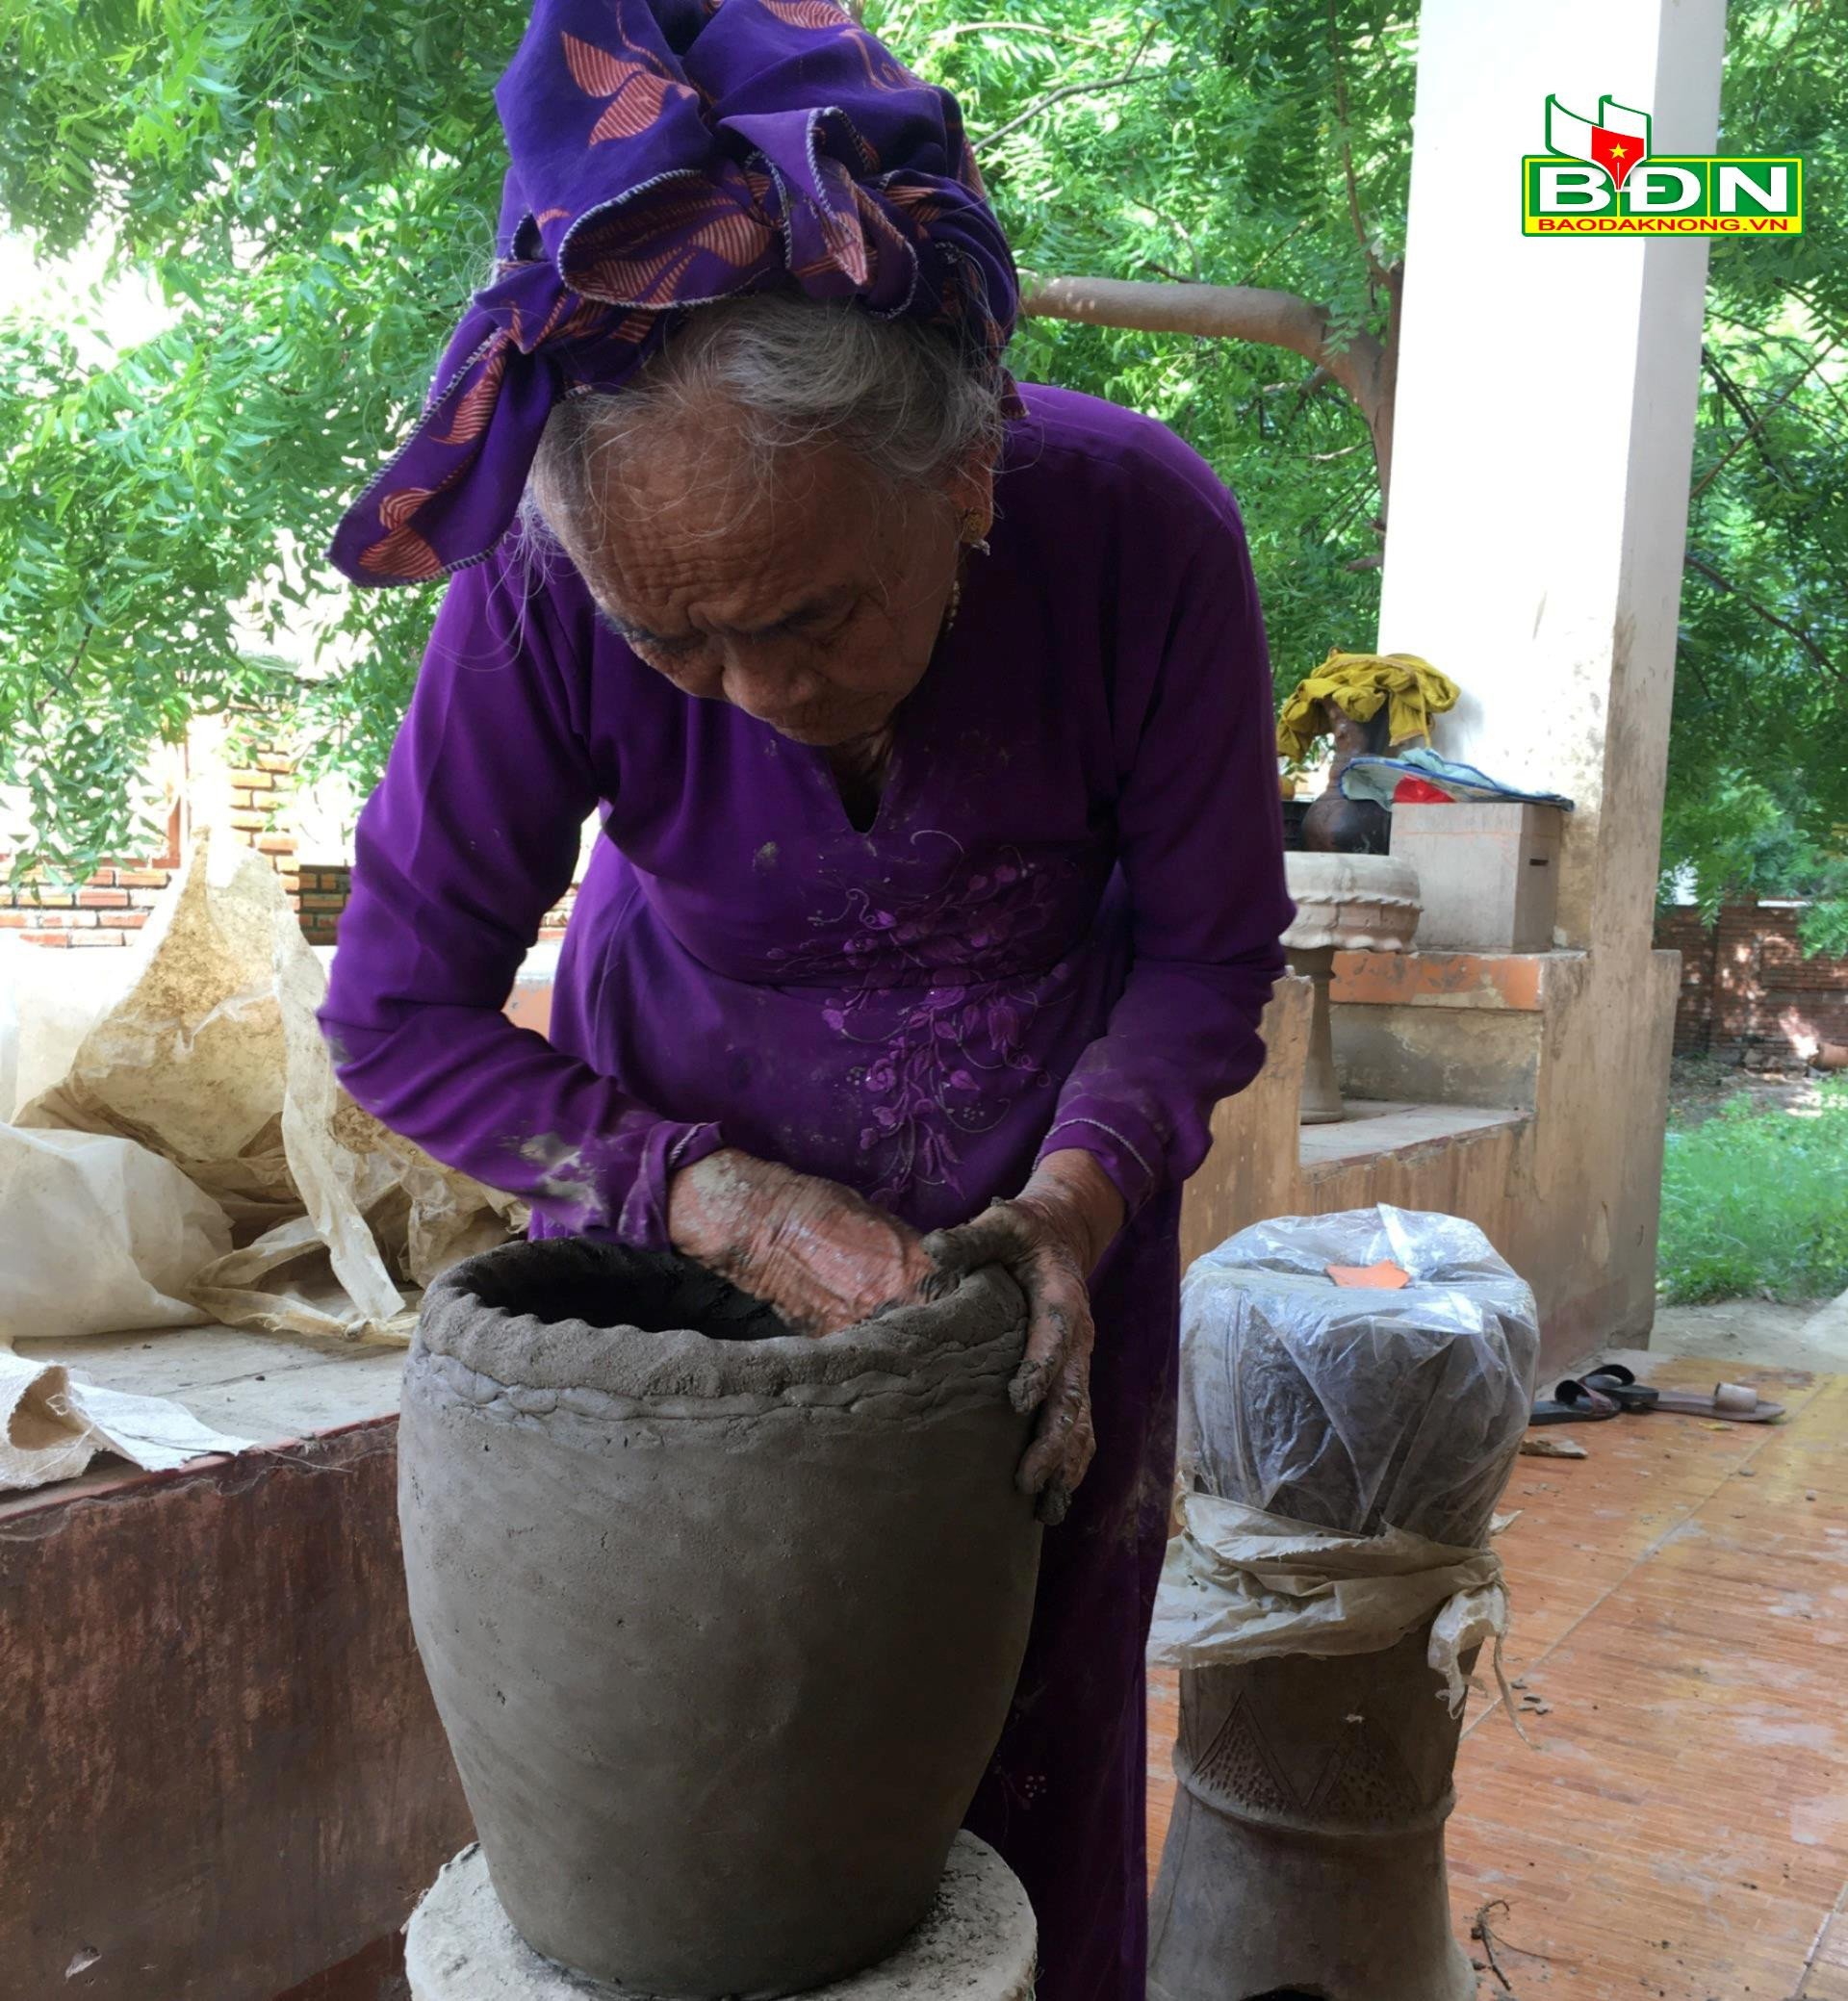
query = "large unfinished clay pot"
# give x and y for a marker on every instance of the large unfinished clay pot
(723, 1631)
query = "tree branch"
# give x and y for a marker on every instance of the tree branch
(1270, 250)
(1735, 397)
(1755, 424)
(1756, 431)
(1739, 445)
(1222, 312)
(954, 27)
(1387, 378)
(1180, 230)
(1376, 270)
(1065, 90)
(1701, 567)
(1817, 310)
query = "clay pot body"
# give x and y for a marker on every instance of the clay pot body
(1306, 1850)
(723, 1632)
(1336, 824)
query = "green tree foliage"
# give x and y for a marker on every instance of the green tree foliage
(1759, 759)
(1208, 140)
(310, 184)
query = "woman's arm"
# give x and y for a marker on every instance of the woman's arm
(1200, 832)
(1202, 847)
(469, 839)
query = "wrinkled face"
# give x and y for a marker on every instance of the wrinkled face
(813, 604)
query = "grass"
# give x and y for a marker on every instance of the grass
(1755, 1203)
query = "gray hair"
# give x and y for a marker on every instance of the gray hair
(788, 372)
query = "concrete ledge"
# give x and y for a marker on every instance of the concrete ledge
(260, 1386)
(1375, 1130)
(1439, 1056)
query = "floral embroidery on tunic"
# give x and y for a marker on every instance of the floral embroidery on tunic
(930, 1075)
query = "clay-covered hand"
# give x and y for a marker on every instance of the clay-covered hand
(1049, 1237)
(813, 1251)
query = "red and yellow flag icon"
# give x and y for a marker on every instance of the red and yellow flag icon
(1616, 140)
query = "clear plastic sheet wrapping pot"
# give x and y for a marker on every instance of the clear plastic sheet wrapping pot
(1350, 1408)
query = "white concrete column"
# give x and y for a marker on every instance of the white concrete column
(1545, 426)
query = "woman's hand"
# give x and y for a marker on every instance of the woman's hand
(1048, 1238)
(817, 1253)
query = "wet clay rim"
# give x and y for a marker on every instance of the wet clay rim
(979, 1331)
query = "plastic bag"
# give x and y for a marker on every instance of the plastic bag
(212, 1059)
(1238, 1585)
(99, 1235)
(1350, 1408)
(49, 1002)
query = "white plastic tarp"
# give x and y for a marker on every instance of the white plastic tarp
(1240, 1585)
(212, 1060)
(97, 1234)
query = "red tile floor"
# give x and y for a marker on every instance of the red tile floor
(1678, 1828)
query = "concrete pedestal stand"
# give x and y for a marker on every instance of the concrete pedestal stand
(1306, 1850)
(1345, 902)
(977, 1944)
(1322, 1099)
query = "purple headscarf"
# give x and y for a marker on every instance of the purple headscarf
(667, 154)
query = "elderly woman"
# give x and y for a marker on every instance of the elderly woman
(939, 881)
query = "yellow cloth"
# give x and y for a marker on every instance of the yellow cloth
(1360, 682)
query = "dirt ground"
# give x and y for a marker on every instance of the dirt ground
(1743, 1334)
(1698, 1087)
(1758, 1332)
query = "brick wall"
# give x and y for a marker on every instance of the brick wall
(105, 910)
(117, 900)
(1748, 993)
(256, 791)
(325, 886)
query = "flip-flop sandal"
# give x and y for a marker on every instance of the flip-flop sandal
(1613, 1380)
(1573, 1402)
(1738, 1402)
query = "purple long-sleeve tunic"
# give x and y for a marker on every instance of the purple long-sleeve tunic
(1059, 932)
